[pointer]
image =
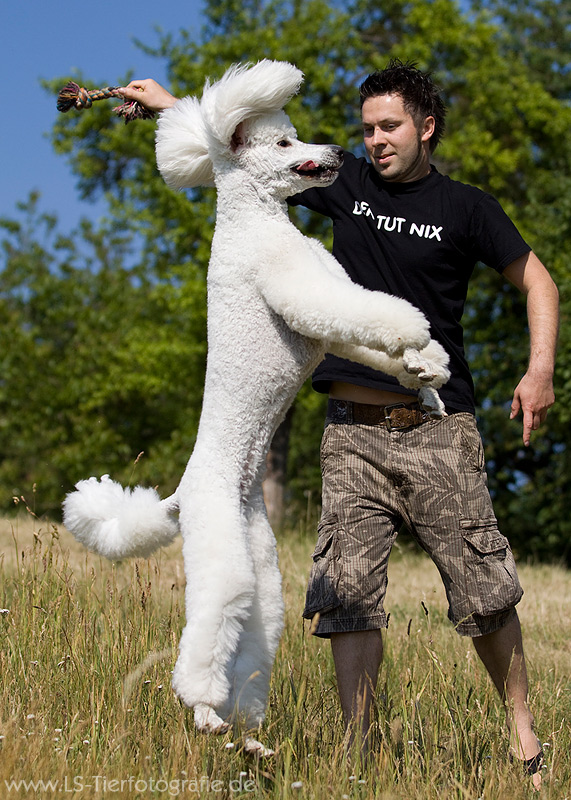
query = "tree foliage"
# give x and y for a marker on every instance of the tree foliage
(90, 379)
(111, 321)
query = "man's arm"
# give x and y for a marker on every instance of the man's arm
(149, 93)
(534, 393)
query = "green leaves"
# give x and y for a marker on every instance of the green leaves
(99, 361)
(102, 330)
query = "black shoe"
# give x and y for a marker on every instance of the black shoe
(530, 765)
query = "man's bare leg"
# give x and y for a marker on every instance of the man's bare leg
(502, 654)
(357, 656)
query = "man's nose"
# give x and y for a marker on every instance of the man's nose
(379, 137)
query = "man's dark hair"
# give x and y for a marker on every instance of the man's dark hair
(421, 97)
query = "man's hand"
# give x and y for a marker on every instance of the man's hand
(149, 94)
(534, 396)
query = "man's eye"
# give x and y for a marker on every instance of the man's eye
(284, 143)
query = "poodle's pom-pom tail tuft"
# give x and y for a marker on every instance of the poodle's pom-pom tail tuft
(118, 523)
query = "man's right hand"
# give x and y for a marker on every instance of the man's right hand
(149, 94)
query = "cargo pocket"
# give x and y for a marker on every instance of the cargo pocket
(492, 584)
(470, 442)
(325, 578)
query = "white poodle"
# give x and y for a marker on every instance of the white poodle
(277, 301)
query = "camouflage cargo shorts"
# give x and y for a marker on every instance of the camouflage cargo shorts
(431, 478)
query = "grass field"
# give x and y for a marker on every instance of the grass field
(86, 653)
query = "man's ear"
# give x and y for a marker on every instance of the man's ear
(428, 128)
(239, 139)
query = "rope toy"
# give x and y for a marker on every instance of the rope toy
(74, 96)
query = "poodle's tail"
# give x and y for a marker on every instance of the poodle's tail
(119, 523)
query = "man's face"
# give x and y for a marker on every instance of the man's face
(398, 150)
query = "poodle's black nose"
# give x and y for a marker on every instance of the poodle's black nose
(338, 151)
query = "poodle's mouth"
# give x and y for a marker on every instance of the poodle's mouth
(309, 169)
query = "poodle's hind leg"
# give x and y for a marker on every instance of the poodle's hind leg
(263, 628)
(207, 720)
(219, 595)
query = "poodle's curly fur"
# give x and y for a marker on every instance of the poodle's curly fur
(277, 301)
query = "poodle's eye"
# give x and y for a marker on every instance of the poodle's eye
(284, 143)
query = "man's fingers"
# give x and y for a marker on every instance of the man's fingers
(528, 426)
(149, 94)
(531, 422)
(533, 398)
(139, 85)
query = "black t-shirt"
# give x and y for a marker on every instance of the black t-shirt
(420, 241)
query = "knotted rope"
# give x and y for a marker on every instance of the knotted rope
(74, 96)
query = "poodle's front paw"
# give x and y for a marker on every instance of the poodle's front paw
(207, 720)
(430, 401)
(396, 345)
(414, 363)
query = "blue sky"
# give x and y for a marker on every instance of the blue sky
(56, 38)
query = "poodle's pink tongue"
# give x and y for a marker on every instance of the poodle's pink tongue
(307, 165)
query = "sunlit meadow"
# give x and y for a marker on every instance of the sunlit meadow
(86, 708)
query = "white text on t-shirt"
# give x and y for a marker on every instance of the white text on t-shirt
(424, 230)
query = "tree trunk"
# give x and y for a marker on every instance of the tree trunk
(276, 466)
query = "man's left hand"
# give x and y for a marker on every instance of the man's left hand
(534, 396)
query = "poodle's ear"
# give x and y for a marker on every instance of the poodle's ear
(247, 91)
(239, 138)
(182, 146)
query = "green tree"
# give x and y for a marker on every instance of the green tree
(98, 363)
(509, 132)
(538, 32)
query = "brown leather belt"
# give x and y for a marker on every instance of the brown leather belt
(393, 417)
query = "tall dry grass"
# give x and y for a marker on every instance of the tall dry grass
(87, 649)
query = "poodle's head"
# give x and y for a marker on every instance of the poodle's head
(265, 150)
(239, 125)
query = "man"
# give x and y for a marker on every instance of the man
(401, 227)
